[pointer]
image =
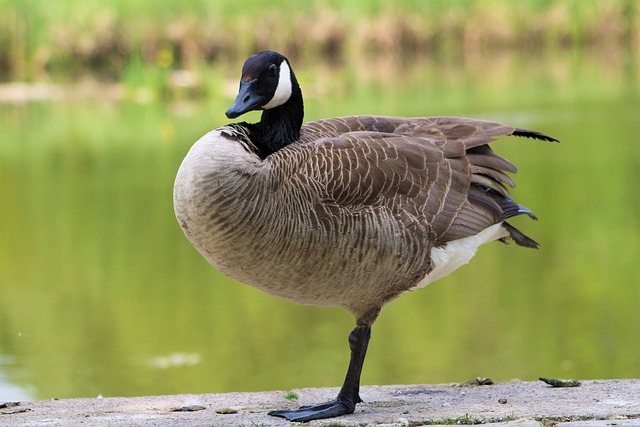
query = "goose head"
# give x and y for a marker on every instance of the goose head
(266, 83)
(269, 84)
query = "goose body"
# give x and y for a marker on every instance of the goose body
(349, 211)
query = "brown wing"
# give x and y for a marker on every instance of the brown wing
(438, 172)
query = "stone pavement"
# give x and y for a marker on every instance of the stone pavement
(595, 403)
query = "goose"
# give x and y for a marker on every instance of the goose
(349, 212)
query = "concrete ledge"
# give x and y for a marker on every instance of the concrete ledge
(522, 404)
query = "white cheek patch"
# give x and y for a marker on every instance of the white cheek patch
(283, 91)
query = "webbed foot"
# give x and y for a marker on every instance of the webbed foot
(331, 409)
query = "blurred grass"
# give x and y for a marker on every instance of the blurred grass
(131, 39)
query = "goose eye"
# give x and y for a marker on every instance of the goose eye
(273, 69)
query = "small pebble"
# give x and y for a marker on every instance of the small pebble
(226, 411)
(190, 408)
(9, 404)
(557, 382)
(502, 400)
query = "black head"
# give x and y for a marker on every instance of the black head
(267, 82)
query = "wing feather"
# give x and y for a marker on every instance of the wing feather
(435, 171)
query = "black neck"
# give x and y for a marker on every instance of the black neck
(279, 126)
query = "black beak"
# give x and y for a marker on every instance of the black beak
(247, 100)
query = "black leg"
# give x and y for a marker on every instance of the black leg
(349, 394)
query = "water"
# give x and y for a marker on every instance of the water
(100, 293)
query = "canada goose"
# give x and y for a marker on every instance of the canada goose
(348, 212)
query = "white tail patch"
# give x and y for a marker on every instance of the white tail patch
(283, 91)
(459, 252)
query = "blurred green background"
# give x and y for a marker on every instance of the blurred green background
(100, 293)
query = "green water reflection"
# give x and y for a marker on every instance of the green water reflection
(100, 293)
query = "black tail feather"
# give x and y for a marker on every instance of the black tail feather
(508, 208)
(533, 134)
(519, 237)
